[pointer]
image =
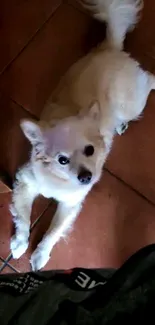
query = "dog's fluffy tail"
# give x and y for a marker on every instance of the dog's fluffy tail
(120, 15)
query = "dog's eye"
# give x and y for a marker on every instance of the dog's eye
(88, 150)
(63, 160)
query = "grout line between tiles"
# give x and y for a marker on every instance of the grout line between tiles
(37, 220)
(9, 257)
(20, 52)
(8, 260)
(129, 186)
(5, 263)
(2, 259)
(11, 267)
(30, 39)
(22, 107)
(2, 267)
(7, 97)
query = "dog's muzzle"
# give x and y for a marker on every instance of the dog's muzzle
(84, 176)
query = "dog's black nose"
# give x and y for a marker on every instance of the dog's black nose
(84, 176)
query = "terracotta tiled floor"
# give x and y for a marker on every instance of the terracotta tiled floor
(39, 41)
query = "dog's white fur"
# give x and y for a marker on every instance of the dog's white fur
(99, 93)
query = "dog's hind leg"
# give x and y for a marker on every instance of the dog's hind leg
(122, 128)
(152, 81)
(134, 101)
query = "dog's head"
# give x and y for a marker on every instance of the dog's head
(73, 150)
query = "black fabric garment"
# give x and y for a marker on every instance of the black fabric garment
(82, 296)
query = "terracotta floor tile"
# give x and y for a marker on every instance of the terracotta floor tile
(7, 270)
(33, 75)
(140, 43)
(14, 147)
(1, 263)
(114, 223)
(8, 5)
(20, 23)
(4, 188)
(132, 156)
(6, 224)
(6, 228)
(142, 38)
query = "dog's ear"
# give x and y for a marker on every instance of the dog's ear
(32, 131)
(93, 111)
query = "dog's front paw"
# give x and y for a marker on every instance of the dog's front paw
(39, 259)
(18, 246)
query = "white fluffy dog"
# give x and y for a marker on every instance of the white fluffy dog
(100, 93)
